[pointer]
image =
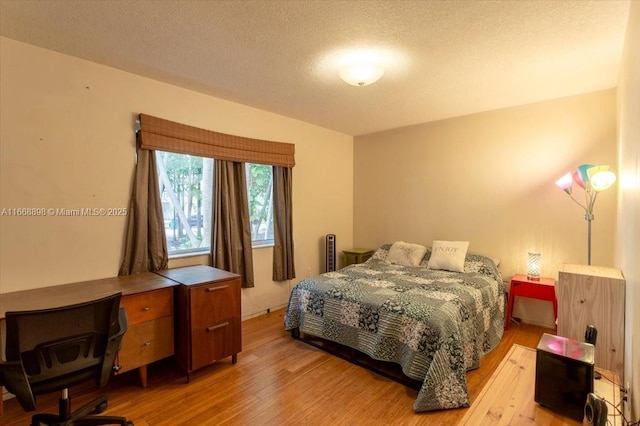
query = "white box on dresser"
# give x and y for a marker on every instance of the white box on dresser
(594, 295)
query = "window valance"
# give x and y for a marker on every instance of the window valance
(164, 135)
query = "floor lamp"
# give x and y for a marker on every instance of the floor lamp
(593, 179)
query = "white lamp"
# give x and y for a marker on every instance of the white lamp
(533, 266)
(361, 73)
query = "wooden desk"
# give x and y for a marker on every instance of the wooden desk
(147, 297)
(208, 314)
(507, 398)
(68, 294)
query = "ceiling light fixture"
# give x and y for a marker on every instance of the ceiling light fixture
(361, 74)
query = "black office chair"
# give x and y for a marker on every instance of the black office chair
(53, 349)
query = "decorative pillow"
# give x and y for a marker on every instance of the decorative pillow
(406, 254)
(448, 255)
(382, 252)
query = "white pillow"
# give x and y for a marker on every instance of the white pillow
(448, 255)
(406, 254)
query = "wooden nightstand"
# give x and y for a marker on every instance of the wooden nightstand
(542, 289)
(356, 255)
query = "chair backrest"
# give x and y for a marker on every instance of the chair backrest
(62, 347)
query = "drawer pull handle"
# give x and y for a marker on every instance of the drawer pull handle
(146, 308)
(214, 327)
(146, 344)
(220, 287)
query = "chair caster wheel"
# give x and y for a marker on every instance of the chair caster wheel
(101, 407)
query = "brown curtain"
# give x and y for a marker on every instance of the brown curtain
(283, 265)
(145, 246)
(231, 237)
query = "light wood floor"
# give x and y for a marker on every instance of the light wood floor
(276, 381)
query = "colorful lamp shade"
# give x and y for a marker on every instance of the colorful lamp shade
(601, 178)
(565, 183)
(593, 179)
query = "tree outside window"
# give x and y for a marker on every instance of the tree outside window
(260, 193)
(186, 188)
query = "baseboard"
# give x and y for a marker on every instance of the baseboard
(264, 312)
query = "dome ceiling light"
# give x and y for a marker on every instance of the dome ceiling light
(361, 74)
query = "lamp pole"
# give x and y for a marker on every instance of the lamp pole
(589, 218)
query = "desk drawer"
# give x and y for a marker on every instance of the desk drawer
(215, 342)
(146, 342)
(148, 306)
(214, 303)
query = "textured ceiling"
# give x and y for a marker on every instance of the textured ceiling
(444, 58)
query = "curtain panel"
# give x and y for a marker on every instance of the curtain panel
(231, 235)
(164, 135)
(283, 265)
(145, 244)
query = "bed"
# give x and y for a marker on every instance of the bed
(435, 323)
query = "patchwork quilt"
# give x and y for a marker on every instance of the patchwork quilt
(435, 324)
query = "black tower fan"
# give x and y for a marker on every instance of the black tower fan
(331, 253)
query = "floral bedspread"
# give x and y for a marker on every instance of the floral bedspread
(435, 324)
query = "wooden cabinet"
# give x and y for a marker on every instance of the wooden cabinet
(356, 255)
(208, 315)
(594, 295)
(150, 334)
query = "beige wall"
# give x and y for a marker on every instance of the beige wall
(489, 178)
(67, 141)
(628, 229)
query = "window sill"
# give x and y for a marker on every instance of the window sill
(190, 254)
(208, 252)
(261, 245)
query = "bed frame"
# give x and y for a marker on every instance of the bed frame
(387, 369)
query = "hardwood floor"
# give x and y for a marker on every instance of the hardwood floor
(276, 381)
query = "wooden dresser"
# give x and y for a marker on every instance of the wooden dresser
(594, 295)
(208, 315)
(150, 334)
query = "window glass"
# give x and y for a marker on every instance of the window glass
(259, 190)
(186, 188)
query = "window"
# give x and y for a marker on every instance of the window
(185, 183)
(186, 191)
(259, 191)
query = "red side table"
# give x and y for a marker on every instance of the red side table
(542, 289)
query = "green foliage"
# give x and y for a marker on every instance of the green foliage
(259, 189)
(184, 174)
